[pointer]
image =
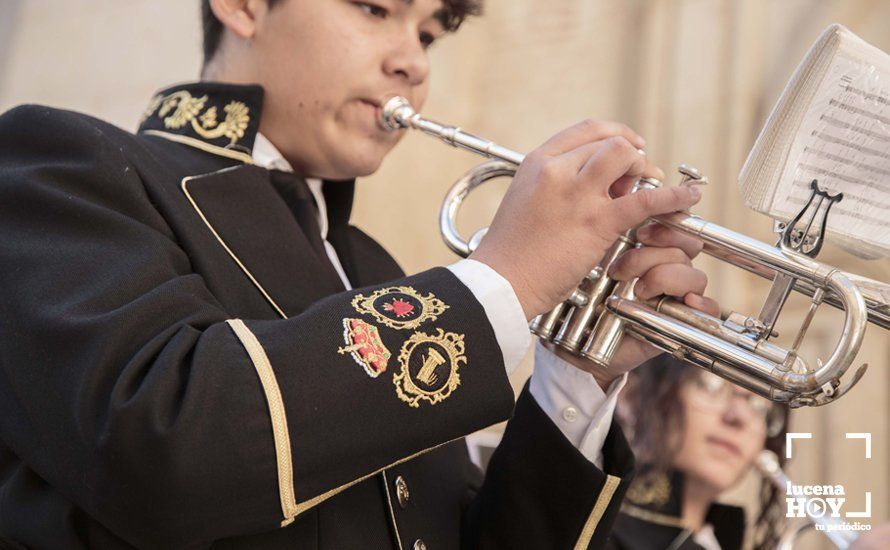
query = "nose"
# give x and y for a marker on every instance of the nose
(737, 413)
(407, 60)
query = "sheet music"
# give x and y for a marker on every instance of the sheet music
(844, 143)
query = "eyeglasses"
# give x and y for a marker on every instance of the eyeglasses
(712, 394)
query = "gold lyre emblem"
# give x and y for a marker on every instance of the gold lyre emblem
(429, 367)
(427, 373)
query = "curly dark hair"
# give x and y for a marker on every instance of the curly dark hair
(653, 420)
(453, 13)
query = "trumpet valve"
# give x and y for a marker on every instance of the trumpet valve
(579, 298)
(690, 175)
(747, 324)
(545, 325)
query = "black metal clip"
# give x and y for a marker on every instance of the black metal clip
(800, 240)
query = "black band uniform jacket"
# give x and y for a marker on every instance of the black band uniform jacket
(181, 368)
(651, 518)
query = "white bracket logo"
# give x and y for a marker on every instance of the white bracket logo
(789, 440)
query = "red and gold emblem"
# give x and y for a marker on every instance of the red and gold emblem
(429, 367)
(399, 307)
(363, 343)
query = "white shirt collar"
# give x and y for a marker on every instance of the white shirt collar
(266, 155)
(706, 538)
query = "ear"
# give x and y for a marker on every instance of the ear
(238, 16)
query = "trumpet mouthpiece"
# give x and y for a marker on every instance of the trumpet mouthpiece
(395, 113)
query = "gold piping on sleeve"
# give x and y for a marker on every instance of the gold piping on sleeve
(202, 145)
(276, 413)
(599, 508)
(315, 501)
(392, 514)
(246, 271)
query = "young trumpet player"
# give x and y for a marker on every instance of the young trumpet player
(202, 352)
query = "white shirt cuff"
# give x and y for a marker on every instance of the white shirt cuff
(575, 402)
(501, 306)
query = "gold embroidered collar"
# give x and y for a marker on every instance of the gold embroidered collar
(217, 114)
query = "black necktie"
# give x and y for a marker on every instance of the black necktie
(296, 194)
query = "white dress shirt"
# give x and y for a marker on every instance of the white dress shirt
(706, 538)
(571, 398)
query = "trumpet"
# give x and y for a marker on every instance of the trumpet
(600, 311)
(768, 465)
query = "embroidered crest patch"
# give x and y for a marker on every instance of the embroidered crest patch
(429, 367)
(400, 307)
(181, 108)
(363, 343)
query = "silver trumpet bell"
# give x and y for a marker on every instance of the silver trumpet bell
(601, 311)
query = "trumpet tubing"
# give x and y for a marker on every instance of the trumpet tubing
(601, 311)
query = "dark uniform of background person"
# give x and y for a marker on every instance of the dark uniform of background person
(176, 370)
(647, 523)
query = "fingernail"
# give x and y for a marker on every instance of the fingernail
(639, 288)
(693, 300)
(641, 141)
(640, 151)
(695, 192)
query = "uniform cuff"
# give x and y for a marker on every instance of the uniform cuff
(501, 306)
(575, 402)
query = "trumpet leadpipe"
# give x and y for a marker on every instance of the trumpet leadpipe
(397, 113)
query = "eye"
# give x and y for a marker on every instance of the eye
(373, 10)
(427, 39)
(759, 405)
(710, 383)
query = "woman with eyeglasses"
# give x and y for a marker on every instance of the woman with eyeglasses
(695, 435)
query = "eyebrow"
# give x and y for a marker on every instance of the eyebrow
(441, 15)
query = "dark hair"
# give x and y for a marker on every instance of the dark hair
(652, 417)
(454, 13)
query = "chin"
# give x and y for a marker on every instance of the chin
(355, 155)
(363, 162)
(719, 476)
(347, 167)
(362, 168)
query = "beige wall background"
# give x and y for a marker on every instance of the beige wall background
(695, 77)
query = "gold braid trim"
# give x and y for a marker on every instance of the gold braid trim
(599, 508)
(392, 514)
(219, 239)
(276, 413)
(202, 145)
